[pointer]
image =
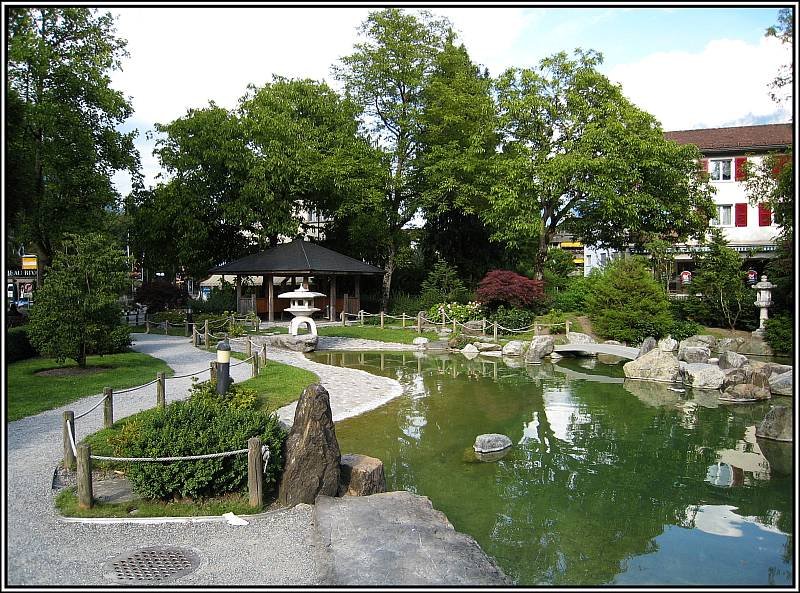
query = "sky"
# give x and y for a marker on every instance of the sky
(690, 67)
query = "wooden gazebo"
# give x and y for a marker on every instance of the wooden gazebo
(282, 266)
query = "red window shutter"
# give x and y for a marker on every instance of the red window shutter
(741, 215)
(739, 165)
(764, 215)
(702, 165)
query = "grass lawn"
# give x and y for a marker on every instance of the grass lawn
(67, 503)
(29, 393)
(371, 332)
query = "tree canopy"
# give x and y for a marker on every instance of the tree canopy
(579, 157)
(62, 118)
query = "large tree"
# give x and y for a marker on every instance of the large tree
(386, 76)
(784, 30)
(578, 156)
(62, 117)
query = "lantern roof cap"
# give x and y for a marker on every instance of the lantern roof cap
(300, 293)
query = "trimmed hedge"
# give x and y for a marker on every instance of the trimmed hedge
(18, 346)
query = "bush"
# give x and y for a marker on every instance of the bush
(627, 304)
(778, 334)
(443, 285)
(119, 340)
(504, 287)
(402, 302)
(461, 313)
(159, 295)
(170, 315)
(220, 300)
(577, 291)
(680, 330)
(202, 424)
(18, 346)
(512, 318)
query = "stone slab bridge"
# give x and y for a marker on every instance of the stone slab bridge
(613, 349)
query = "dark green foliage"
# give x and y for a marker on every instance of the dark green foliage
(203, 424)
(159, 295)
(626, 304)
(573, 297)
(220, 300)
(77, 310)
(680, 330)
(18, 346)
(512, 318)
(403, 302)
(558, 266)
(443, 286)
(778, 334)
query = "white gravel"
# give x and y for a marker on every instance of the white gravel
(42, 549)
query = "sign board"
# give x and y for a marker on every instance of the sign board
(686, 277)
(752, 276)
(27, 288)
(29, 262)
(205, 292)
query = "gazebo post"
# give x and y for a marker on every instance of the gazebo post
(358, 292)
(238, 292)
(270, 296)
(332, 297)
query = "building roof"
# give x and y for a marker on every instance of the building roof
(760, 138)
(294, 259)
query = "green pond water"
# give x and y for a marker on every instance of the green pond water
(609, 481)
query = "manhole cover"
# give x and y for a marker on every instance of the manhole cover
(151, 565)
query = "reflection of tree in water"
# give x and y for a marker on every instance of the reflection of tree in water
(597, 476)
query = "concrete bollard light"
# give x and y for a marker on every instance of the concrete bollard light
(223, 366)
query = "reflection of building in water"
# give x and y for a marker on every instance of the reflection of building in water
(723, 520)
(738, 466)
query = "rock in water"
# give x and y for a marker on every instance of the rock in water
(777, 424)
(514, 348)
(745, 392)
(648, 344)
(420, 341)
(693, 354)
(781, 384)
(311, 451)
(540, 346)
(728, 359)
(656, 365)
(703, 376)
(361, 476)
(489, 443)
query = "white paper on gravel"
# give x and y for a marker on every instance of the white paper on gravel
(233, 519)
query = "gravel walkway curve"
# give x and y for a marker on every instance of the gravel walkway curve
(43, 549)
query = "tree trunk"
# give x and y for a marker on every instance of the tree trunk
(387, 280)
(81, 360)
(540, 255)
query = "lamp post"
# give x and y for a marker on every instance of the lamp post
(223, 366)
(763, 301)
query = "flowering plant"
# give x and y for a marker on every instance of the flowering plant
(458, 311)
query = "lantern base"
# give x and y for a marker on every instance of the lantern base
(294, 325)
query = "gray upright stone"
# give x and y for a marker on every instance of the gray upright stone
(648, 344)
(703, 376)
(729, 359)
(777, 424)
(702, 340)
(539, 347)
(729, 344)
(514, 348)
(311, 451)
(781, 384)
(668, 344)
(694, 354)
(656, 365)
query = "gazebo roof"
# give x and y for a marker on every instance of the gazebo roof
(296, 258)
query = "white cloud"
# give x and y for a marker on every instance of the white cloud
(725, 83)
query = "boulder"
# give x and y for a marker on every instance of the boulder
(579, 338)
(361, 476)
(692, 354)
(745, 392)
(555, 356)
(778, 369)
(469, 349)
(304, 343)
(514, 348)
(781, 384)
(713, 360)
(420, 341)
(729, 344)
(539, 347)
(729, 359)
(777, 424)
(702, 340)
(668, 344)
(656, 365)
(486, 346)
(648, 344)
(780, 455)
(311, 450)
(703, 376)
(736, 377)
(488, 443)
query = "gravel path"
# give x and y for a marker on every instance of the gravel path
(43, 549)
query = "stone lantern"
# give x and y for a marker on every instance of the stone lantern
(302, 307)
(763, 301)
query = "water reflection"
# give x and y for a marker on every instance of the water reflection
(609, 482)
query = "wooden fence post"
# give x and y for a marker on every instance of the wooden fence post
(403, 320)
(108, 407)
(495, 331)
(85, 499)
(537, 329)
(248, 347)
(254, 366)
(161, 390)
(381, 319)
(206, 340)
(483, 326)
(264, 355)
(419, 322)
(194, 335)
(443, 319)
(213, 366)
(567, 325)
(343, 315)
(69, 430)
(454, 325)
(186, 328)
(255, 472)
(146, 326)
(361, 316)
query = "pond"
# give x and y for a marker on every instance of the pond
(609, 481)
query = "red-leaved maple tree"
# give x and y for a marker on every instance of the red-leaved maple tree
(504, 287)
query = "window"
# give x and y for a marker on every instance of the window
(720, 169)
(588, 260)
(723, 217)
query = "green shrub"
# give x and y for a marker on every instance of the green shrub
(160, 294)
(119, 340)
(461, 313)
(778, 334)
(220, 299)
(170, 315)
(512, 318)
(555, 319)
(202, 424)
(443, 285)
(680, 330)
(18, 346)
(627, 304)
(402, 302)
(577, 291)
